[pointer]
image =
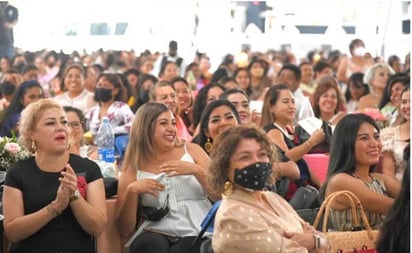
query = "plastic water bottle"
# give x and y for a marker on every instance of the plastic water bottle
(105, 141)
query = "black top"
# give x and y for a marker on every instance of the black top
(63, 233)
(302, 165)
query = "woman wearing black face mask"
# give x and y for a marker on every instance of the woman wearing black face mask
(241, 164)
(111, 100)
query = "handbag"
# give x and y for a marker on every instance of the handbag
(348, 241)
(301, 136)
(305, 197)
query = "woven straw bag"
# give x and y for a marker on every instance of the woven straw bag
(347, 241)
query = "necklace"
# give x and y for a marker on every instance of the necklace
(365, 181)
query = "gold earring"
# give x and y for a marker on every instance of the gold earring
(33, 147)
(208, 145)
(228, 189)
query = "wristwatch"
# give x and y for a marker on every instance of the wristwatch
(76, 195)
(317, 240)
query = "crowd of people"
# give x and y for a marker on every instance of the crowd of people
(187, 136)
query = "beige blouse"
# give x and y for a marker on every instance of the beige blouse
(241, 225)
(391, 142)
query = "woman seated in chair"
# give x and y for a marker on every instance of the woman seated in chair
(355, 151)
(180, 200)
(250, 219)
(54, 200)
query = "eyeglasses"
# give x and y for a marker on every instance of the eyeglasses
(75, 125)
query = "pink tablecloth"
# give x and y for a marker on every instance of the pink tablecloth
(318, 163)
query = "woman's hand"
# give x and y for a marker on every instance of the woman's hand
(69, 179)
(317, 137)
(303, 239)
(147, 185)
(178, 168)
(62, 199)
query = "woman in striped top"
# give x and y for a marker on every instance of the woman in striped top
(354, 153)
(162, 173)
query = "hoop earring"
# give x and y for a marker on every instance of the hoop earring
(228, 189)
(208, 145)
(33, 147)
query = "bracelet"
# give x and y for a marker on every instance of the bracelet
(51, 210)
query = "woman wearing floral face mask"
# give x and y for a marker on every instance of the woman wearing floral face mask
(250, 218)
(358, 62)
(109, 95)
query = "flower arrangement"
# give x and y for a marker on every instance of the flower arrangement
(376, 115)
(10, 152)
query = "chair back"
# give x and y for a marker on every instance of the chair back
(208, 222)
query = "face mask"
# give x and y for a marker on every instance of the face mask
(144, 95)
(258, 72)
(253, 177)
(359, 51)
(103, 94)
(152, 213)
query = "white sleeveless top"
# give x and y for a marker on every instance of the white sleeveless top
(188, 205)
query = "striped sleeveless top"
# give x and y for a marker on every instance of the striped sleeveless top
(342, 219)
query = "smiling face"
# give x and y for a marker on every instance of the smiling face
(328, 101)
(74, 81)
(242, 106)
(396, 91)
(307, 73)
(243, 79)
(284, 109)
(184, 95)
(51, 131)
(165, 131)
(406, 105)
(167, 96)
(248, 152)
(367, 145)
(220, 119)
(76, 128)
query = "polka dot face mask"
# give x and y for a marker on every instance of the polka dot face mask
(253, 177)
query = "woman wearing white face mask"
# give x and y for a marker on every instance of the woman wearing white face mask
(358, 62)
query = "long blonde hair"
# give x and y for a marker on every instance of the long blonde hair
(141, 147)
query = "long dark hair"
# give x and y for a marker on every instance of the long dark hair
(397, 78)
(201, 100)
(357, 80)
(16, 105)
(142, 95)
(201, 138)
(342, 150)
(395, 232)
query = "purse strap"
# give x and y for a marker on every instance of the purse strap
(355, 204)
(326, 206)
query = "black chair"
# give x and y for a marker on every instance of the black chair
(207, 225)
(309, 215)
(206, 246)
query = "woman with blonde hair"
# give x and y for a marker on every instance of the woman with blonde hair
(53, 201)
(376, 77)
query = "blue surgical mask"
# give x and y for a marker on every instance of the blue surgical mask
(254, 176)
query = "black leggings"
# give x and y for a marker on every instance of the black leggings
(153, 242)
